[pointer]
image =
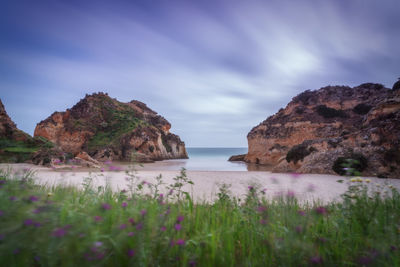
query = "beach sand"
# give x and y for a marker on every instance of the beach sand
(306, 187)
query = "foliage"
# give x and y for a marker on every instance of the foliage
(299, 152)
(362, 109)
(50, 226)
(327, 112)
(352, 165)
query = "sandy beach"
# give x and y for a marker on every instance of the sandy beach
(306, 187)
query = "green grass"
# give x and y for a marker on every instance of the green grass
(64, 226)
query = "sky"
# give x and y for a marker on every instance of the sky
(213, 69)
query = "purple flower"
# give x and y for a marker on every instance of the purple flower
(131, 253)
(13, 198)
(122, 226)
(102, 169)
(263, 221)
(132, 221)
(36, 211)
(299, 229)
(124, 204)
(192, 263)
(316, 260)
(28, 222)
(321, 210)
(60, 232)
(2, 236)
(143, 212)
(261, 209)
(106, 206)
(301, 212)
(251, 188)
(1, 213)
(180, 242)
(37, 224)
(180, 218)
(98, 218)
(178, 227)
(139, 226)
(33, 198)
(264, 191)
(97, 244)
(131, 234)
(163, 228)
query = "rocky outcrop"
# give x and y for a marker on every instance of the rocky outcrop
(8, 129)
(320, 128)
(107, 129)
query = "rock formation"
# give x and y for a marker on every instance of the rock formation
(319, 130)
(16, 145)
(111, 130)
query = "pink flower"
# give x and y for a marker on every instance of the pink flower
(122, 226)
(321, 210)
(180, 242)
(124, 204)
(180, 218)
(106, 206)
(290, 194)
(131, 234)
(132, 221)
(163, 228)
(143, 212)
(98, 218)
(131, 253)
(178, 227)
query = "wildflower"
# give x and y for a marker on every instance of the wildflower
(251, 188)
(261, 209)
(2, 236)
(180, 242)
(139, 226)
(316, 260)
(106, 206)
(179, 218)
(143, 212)
(36, 211)
(263, 221)
(98, 218)
(37, 224)
(33, 198)
(28, 222)
(264, 191)
(301, 212)
(132, 221)
(59, 232)
(192, 263)
(131, 253)
(321, 210)
(98, 244)
(178, 227)
(163, 228)
(122, 226)
(102, 169)
(1, 213)
(124, 204)
(131, 234)
(170, 192)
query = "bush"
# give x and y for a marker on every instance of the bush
(352, 165)
(327, 112)
(362, 109)
(299, 152)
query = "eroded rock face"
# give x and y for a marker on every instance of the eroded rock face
(111, 130)
(8, 129)
(317, 127)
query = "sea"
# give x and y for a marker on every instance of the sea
(205, 159)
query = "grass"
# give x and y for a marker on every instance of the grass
(66, 226)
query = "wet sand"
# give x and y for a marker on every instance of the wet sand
(306, 187)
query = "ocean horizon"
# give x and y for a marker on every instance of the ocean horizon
(206, 159)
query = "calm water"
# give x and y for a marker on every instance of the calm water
(205, 159)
